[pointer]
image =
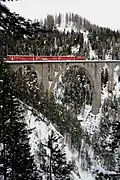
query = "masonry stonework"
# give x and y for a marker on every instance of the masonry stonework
(50, 72)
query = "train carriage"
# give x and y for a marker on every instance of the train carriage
(43, 58)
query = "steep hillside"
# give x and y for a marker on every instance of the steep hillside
(100, 144)
(67, 34)
(67, 140)
(42, 130)
(92, 141)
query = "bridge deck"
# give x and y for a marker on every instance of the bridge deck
(63, 61)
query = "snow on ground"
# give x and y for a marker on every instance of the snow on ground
(89, 121)
(40, 132)
(75, 49)
(84, 175)
(71, 27)
(108, 57)
(100, 170)
(85, 113)
(104, 94)
(85, 35)
(67, 28)
(116, 82)
(92, 53)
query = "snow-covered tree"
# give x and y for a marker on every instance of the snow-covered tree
(52, 159)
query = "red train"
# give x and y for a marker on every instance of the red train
(42, 58)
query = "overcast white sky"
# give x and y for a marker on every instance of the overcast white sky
(101, 12)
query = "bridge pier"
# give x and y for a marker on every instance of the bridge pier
(96, 103)
(51, 71)
(111, 77)
(42, 74)
(96, 98)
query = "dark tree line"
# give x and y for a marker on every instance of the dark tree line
(16, 161)
(17, 27)
(21, 36)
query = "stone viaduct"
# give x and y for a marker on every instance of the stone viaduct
(49, 72)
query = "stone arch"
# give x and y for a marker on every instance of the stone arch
(91, 76)
(65, 67)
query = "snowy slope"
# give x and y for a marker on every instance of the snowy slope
(90, 122)
(41, 130)
(85, 33)
(116, 82)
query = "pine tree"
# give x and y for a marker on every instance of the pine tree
(59, 19)
(55, 166)
(17, 162)
(43, 162)
(19, 159)
(66, 19)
